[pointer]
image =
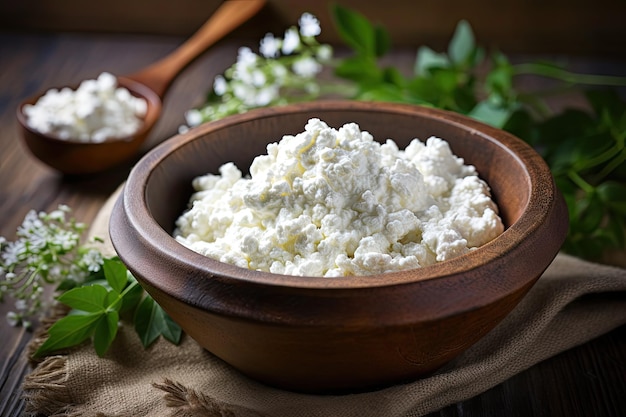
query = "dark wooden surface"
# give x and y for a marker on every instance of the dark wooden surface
(589, 380)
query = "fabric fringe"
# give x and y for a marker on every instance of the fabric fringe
(44, 390)
(191, 403)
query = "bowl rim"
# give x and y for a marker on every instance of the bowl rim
(542, 194)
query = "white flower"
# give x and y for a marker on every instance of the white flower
(38, 240)
(220, 86)
(324, 53)
(258, 78)
(291, 41)
(245, 93)
(13, 252)
(269, 46)
(266, 95)
(93, 260)
(31, 222)
(57, 215)
(65, 240)
(193, 117)
(20, 305)
(13, 319)
(306, 67)
(309, 25)
(246, 57)
(279, 71)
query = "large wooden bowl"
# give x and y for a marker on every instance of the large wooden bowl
(345, 334)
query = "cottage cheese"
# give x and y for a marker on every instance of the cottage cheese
(330, 202)
(96, 111)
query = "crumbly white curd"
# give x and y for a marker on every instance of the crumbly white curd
(97, 110)
(335, 202)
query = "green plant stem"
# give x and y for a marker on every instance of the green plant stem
(568, 76)
(578, 180)
(122, 294)
(608, 168)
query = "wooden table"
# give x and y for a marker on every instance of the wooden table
(589, 380)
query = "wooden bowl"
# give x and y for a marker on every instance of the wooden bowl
(74, 157)
(354, 333)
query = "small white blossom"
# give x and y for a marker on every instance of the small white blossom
(324, 53)
(306, 67)
(13, 319)
(279, 71)
(246, 57)
(266, 95)
(20, 305)
(245, 93)
(193, 117)
(93, 260)
(65, 240)
(258, 78)
(270, 46)
(13, 252)
(57, 215)
(219, 85)
(291, 41)
(309, 25)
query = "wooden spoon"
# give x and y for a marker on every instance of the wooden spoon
(76, 157)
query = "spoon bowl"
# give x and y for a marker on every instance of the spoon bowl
(75, 157)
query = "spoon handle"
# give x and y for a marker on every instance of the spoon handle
(226, 18)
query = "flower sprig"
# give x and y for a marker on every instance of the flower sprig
(285, 70)
(100, 291)
(46, 252)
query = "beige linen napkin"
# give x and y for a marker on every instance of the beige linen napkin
(572, 303)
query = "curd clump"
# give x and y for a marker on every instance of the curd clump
(96, 111)
(334, 202)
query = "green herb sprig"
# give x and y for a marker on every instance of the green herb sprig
(100, 291)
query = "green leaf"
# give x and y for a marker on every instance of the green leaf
(359, 69)
(69, 331)
(115, 273)
(383, 92)
(91, 298)
(132, 296)
(490, 114)
(382, 41)
(105, 332)
(151, 321)
(427, 59)
(613, 194)
(391, 75)
(171, 330)
(462, 45)
(355, 30)
(500, 79)
(591, 212)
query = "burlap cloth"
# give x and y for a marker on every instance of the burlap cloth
(572, 303)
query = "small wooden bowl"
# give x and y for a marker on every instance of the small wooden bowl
(74, 157)
(354, 333)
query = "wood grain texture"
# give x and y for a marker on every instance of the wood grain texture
(520, 26)
(589, 380)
